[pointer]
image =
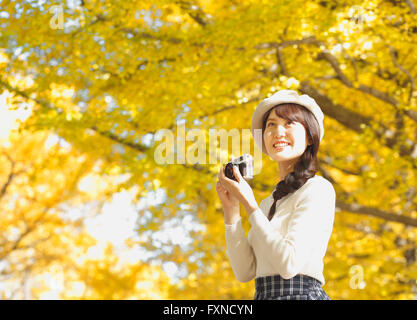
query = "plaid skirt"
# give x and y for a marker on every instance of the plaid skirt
(301, 287)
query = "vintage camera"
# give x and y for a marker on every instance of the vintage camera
(245, 165)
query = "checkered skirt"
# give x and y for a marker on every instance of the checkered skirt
(301, 287)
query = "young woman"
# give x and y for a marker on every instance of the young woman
(291, 228)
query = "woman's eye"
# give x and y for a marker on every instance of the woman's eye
(287, 123)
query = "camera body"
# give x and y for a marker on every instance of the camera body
(245, 165)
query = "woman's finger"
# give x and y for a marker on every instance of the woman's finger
(236, 173)
(226, 178)
(220, 188)
(220, 172)
(222, 176)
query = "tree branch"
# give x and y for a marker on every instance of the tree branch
(364, 210)
(375, 212)
(195, 12)
(355, 121)
(325, 54)
(410, 4)
(10, 177)
(346, 117)
(281, 62)
(394, 54)
(353, 207)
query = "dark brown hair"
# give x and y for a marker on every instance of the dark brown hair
(307, 165)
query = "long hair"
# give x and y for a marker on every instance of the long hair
(307, 165)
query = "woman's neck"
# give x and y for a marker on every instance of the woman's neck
(285, 167)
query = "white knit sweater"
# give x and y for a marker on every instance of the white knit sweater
(293, 242)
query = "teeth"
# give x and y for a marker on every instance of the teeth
(280, 145)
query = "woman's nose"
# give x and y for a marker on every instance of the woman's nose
(280, 131)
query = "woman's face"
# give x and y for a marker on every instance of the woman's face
(290, 135)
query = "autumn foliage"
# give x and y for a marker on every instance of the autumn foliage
(97, 79)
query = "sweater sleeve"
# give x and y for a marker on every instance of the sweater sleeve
(309, 227)
(240, 253)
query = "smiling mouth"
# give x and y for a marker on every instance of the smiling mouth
(280, 148)
(280, 145)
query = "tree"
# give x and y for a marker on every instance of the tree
(111, 75)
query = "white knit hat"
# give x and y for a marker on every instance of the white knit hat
(280, 97)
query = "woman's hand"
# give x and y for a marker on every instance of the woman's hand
(240, 190)
(230, 204)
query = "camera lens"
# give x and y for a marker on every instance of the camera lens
(242, 168)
